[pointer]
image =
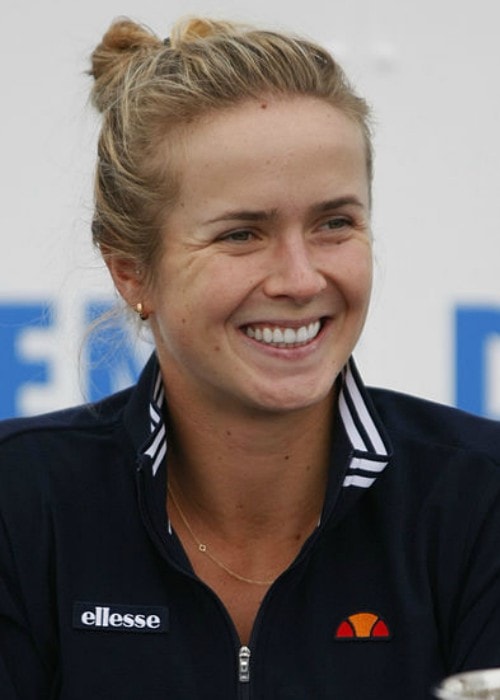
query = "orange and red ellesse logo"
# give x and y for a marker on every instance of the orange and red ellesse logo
(363, 626)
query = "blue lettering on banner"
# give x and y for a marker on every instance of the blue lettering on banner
(475, 328)
(16, 370)
(111, 360)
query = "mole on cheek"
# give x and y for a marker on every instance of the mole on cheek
(263, 105)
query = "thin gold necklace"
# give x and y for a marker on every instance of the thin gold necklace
(203, 548)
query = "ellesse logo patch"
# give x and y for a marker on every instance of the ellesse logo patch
(106, 617)
(363, 626)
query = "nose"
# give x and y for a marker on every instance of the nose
(293, 271)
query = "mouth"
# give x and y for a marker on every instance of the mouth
(284, 336)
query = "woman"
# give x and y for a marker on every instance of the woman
(249, 520)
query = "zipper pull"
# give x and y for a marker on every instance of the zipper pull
(244, 665)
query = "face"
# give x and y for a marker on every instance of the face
(264, 281)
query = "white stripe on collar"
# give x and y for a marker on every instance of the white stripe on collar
(157, 448)
(371, 455)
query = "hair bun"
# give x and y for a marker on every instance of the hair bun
(123, 41)
(193, 28)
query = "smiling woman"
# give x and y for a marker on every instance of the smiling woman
(252, 245)
(234, 525)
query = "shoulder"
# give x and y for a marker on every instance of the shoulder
(85, 418)
(443, 484)
(435, 426)
(62, 441)
(444, 461)
(80, 445)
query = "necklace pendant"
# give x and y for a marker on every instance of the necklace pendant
(204, 550)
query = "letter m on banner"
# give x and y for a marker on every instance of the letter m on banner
(477, 359)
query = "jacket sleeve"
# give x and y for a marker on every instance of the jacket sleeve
(23, 673)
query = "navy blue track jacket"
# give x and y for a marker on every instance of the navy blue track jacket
(397, 587)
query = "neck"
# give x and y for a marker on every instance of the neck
(244, 474)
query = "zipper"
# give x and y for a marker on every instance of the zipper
(158, 537)
(244, 672)
(244, 665)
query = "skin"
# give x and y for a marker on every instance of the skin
(287, 263)
(271, 230)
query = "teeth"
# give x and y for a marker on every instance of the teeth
(302, 335)
(277, 336)
(283, 337)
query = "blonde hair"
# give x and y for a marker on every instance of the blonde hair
(148, 89)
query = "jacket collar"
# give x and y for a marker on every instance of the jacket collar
(365, 455)
(144, 417)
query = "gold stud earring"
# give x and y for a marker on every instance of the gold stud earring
(139, 309)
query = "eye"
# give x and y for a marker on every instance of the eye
(239, 236)
(337, 222)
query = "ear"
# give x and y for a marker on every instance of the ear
(127, 277)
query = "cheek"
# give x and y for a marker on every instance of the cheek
(366, 277)
(217, 288)
(355, 275)
(196, 299)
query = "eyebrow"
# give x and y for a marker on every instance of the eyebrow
(263, 215)
(245, 215)
(332, 204)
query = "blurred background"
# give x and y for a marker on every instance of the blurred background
(429, 70)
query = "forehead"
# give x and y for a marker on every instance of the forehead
(284, 119)
(290, 141)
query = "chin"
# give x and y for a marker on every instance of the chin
(289, 400)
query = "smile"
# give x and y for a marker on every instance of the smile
(284, 337)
